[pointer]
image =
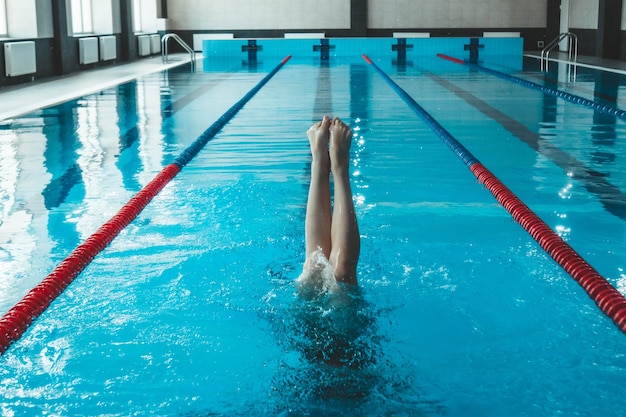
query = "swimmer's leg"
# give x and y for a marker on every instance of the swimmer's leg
(318, 214)
(346, 241)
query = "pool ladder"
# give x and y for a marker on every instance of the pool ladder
(572, 53)
(186, 47)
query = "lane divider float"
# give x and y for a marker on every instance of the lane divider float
(15, 322)
(610, 301)
(572, 98)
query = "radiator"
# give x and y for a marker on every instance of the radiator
(144, 45)
(155, 43)
(108, 48)
(88, 50)
(20, 58)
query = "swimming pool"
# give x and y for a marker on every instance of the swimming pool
(192, 309)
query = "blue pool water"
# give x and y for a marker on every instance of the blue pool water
(192, 310)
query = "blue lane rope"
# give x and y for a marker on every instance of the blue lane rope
(607, 298)
(17, 320)
(572, 98)
(193, 149)
(456, 146)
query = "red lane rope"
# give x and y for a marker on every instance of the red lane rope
(450, 58)
(15, 322)
(607, 297)
(610, 300)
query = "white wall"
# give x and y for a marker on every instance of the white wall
(399, 14)
(382, 14)
(335, 14)
(258, 14)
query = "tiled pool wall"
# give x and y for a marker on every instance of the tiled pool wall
(478, 50)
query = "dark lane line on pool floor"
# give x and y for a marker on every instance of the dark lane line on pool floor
(323, 105)
(19, 318)
(610, 301)
(610, 196)
(175, 106)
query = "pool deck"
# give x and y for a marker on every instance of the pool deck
(25, 98)
(586, 61)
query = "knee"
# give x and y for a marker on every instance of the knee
(345, 274)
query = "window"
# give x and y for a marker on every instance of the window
(81, 17)
(4, 30)
(145, 16)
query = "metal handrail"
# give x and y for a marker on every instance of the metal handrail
(164, 48)
(572, 49)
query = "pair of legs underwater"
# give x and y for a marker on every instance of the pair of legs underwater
(332, 235)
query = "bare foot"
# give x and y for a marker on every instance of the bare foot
(318, 135)
(340, 141)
